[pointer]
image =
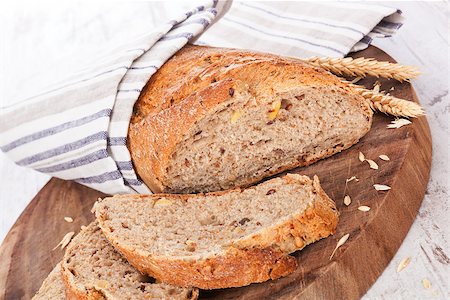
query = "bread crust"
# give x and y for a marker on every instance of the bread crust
(195, 83)
(217, 272)
(258, 258)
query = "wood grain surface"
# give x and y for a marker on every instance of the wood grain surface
(26, 256)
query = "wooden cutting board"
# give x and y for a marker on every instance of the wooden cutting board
(27, 257)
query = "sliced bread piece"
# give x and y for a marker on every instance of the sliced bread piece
(222, 239)
(92, 269)
(53, 286)
(213, 119)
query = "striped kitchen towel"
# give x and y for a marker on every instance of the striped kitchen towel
(78, 130)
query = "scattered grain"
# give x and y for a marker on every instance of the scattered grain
(68, 219)
(340, 243)
(361, 157)
(372, 164)
(347, 200)
(364, 208)
(397, 123)
(381, 187)
(426, 283)
(65, 240)
(384, 157)
(403, 264)
(351, 179)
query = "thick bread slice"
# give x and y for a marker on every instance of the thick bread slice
(222, 239)
(53, 286)
(213, 119)
(92, 269)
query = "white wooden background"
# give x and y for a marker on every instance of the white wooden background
(36, 36)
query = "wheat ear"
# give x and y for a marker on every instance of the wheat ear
(387, 103)
(365, 66)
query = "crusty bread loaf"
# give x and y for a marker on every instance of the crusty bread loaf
(92, 269)
(213, 119)
(222, 239)
(53, 286)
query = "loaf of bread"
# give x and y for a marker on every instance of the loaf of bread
(53, 286)
(92, 269)
(212, 119)
(222, 239)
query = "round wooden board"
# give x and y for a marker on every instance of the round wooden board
(27, 257)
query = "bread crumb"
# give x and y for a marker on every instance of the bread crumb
(68, 219)
(403, 264)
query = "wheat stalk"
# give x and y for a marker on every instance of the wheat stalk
(387, 103)
(365, 66)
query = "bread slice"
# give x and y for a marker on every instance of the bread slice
(222, 239)
(92, 269)
(213, 119)
(53, 286)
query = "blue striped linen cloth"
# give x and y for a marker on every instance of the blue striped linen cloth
(78, 130)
